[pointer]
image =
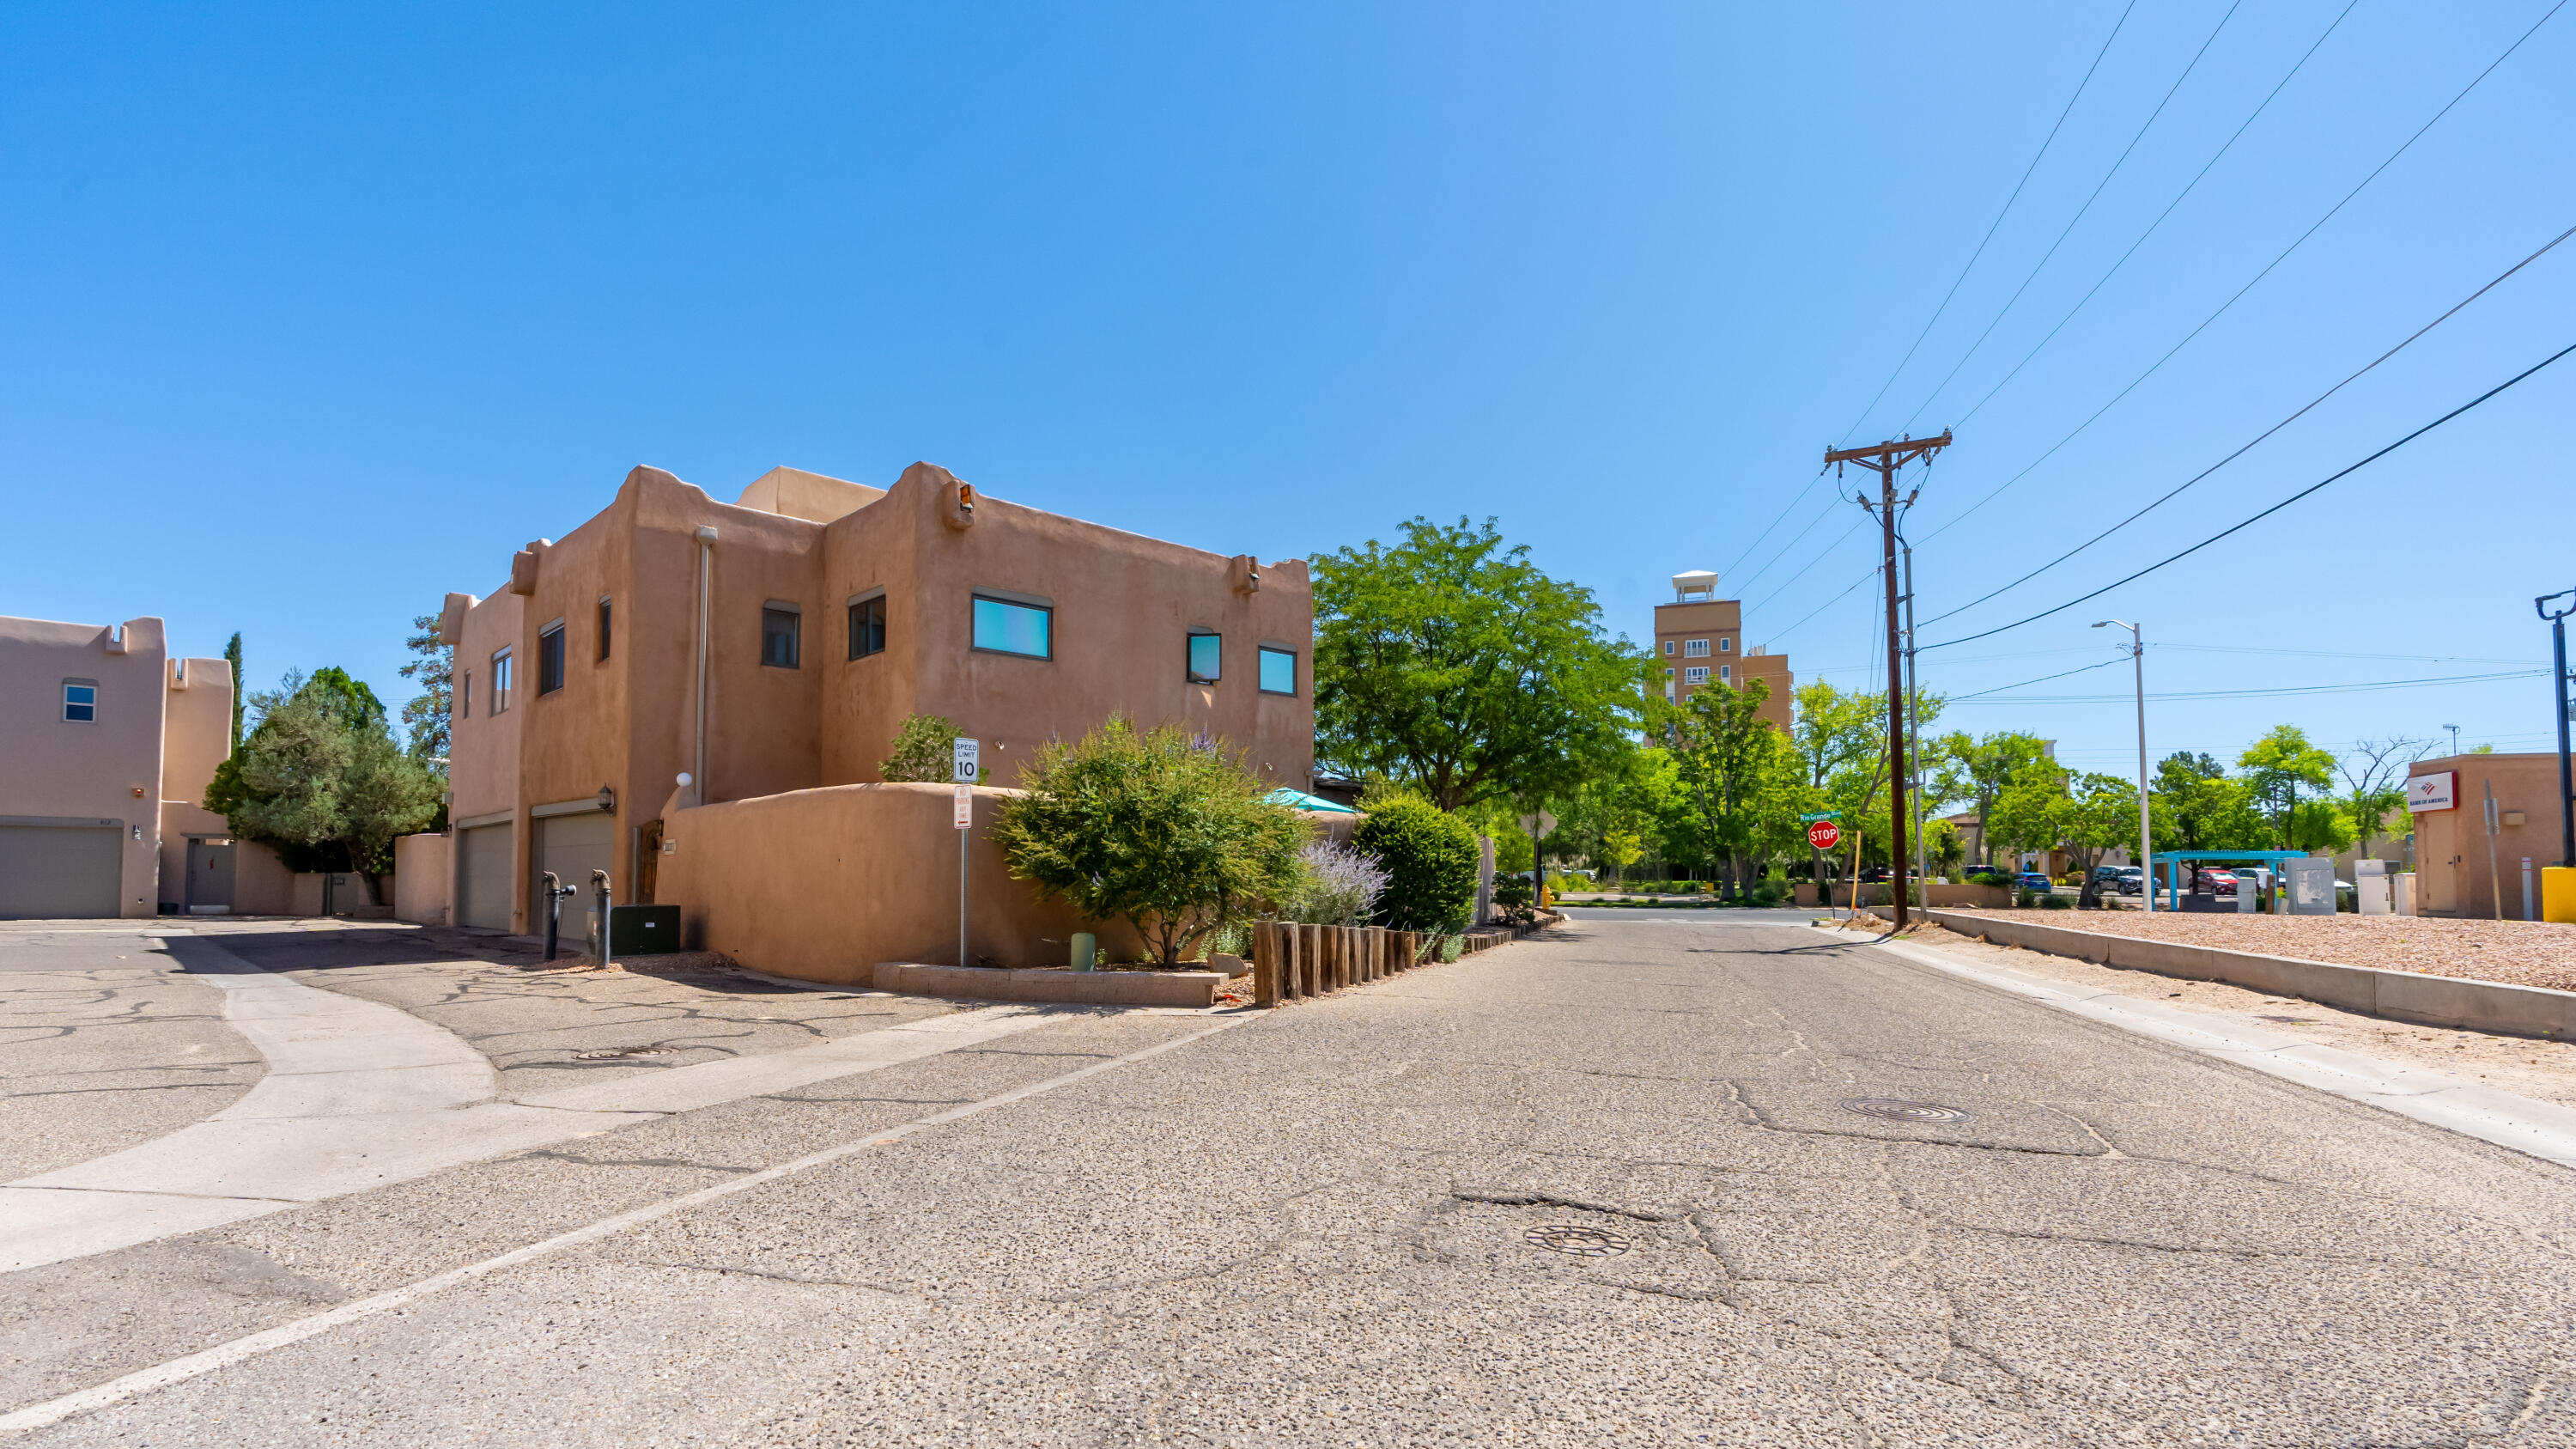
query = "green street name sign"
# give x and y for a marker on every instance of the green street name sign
(1812, 819)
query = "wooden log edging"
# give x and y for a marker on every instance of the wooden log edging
(2496, 1006)
(1293, 962)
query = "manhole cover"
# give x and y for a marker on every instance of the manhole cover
(1897, 1110)
(1579, 1242)
(642, 1051)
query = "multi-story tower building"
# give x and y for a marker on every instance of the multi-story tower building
(1699, 641)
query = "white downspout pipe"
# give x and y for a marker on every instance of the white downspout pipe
(706, 585)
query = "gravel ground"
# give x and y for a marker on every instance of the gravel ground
(2544, 1070)
(2525, 953)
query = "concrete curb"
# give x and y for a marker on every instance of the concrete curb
(2494, 1006)
(2527, 1125)
(1083, 988)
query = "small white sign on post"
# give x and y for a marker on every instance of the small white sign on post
(1539, 825)
(965, 807)
(965, 755)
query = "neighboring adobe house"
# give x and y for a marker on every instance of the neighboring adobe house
(776, 644)
(106, 748)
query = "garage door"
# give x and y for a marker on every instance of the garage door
(483, 877)
(572, 846)
(52, 871)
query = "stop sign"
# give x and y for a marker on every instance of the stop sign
(1824, 835)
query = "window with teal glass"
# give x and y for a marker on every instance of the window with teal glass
(1205, 661)
(1278, 671)
(1003, 627)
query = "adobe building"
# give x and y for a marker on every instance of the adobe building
(768, 650)
(107, 745)
(2446, 798)
(1698, 642)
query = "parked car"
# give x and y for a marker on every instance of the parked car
(2034, 880)
(2133, 881)
(2219, 882)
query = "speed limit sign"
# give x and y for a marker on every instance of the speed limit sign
(1824, 835)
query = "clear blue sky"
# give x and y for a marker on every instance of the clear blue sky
(315, 314)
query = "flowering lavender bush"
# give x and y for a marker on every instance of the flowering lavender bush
(1336, 886)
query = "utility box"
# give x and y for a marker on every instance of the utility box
(2312, 886)
(2370, 887)
(643, 930)
(2401, 893)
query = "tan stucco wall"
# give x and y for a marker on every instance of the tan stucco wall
(420, 880)
(262, 885)
(196, 735)
(483, 748)
(2451, 845)
(823, 884)
(110, 769)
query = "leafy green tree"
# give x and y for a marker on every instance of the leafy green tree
(425, 716)
(2275, 767)
(1429, 857)
(1734, 767)
(1977, 768)
(2196, 807)
(233, 657)
(320, 778)
(925, 753)
(2321, 825)
(1169, 831)
(1452, 663)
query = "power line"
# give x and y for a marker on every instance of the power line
(1991, 227)
(2042, 264)
(1787, 544)
(2240, 292)
(2259, 437)
(2160, 217)
(1829, 603)
(2264, 693)
(2275, 508)
(1827, 552)
(2043, 679)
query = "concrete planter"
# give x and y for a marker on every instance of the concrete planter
(1091, 988)
(2495, 1006)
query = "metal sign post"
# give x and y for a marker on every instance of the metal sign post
(963, 768)
(1816, 854)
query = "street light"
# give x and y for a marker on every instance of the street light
(2455, 737)
(2146, 839)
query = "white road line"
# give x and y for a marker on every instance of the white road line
(2525, 1124)
(224, 1355)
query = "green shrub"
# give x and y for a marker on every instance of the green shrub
(1429, 857)
(1168, 831)
(1768, 892)
(1511, 890)
(925, 752)
(2055, 902)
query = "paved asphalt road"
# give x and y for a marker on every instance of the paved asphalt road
(1603, 1187)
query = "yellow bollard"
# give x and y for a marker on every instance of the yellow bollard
(2558, 893)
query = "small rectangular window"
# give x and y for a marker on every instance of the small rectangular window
(867, 627)
(1002, 627)
(500, 681)
(465, 695)
(550, 658)
(1668, 646)
(1695, 649)
(1206, 661)
(1726, 671)
(80, 701)
(778, 631)
(1725, 646)
(1278, 671)
(603, 628)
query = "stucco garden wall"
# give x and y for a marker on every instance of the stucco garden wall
(420, 879)
(823, 884)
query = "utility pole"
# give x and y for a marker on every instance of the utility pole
(1914, 732)
(2146, 836)
(2555, 608)
(1885, 459)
